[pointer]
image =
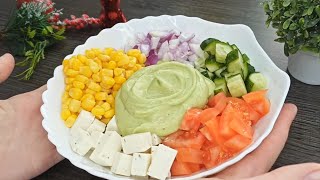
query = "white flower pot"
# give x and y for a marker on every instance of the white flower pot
(305, 67)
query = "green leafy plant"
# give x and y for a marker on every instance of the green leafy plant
(297, 23)
(29, 32)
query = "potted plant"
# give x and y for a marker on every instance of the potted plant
(298, 27)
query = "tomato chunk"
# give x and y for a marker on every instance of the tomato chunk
(227, 116)
(208, 114)
(205, 131)
(237, 143)
(190, 155)
(218, 101)
(214, 154)
(191, 120)
(254, 116)
(184, 139)
(255, 96)
(241, 127)
(180, 168)
(213, 126)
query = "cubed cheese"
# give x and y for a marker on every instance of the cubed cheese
(96, 126)
(153, 151)
(140, 164)
(162, 162)
(95, 136)
(80, 141)
(155, 140)
(112, 125)
(122, 164)
(136, 143)
(108, 145)
(83, 121)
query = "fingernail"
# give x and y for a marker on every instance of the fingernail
(313, 176)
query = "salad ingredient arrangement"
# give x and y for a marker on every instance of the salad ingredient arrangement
(229, 69)
(169, 46)
(211, 136)
(133, 155)
(155, 98)
(93, 80)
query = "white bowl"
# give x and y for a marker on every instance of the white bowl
(120, 35)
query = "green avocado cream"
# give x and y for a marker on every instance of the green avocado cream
(155, 98)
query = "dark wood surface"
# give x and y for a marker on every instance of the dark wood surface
(304, 140)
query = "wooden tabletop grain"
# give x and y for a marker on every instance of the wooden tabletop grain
(303, 144)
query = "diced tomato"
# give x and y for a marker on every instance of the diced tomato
(255, 96)
(214, 154)
(254, 116)
(191, 120)
(241, 127)
(213, 126)
(258, 101)
(263, 107)
(190, 155)
(218, 101)
(227, 116)
(208, 144)
(238, 104)
(208, 114)
(180, 168)
(205, 131)
(237, 143)
(184, 139)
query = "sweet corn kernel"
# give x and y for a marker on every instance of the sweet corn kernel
(88, 103)
(119, 80)
(106, 106)
(65, 113)
(99, 103)
(142, 58)
(82, 58)
(98, 61)
(105, 87)
(123, 61)
(114, 93)
(78, 84)
(99, 117)
(69, 80)
(76, 64)
(89, 91)
(128, 73)
(65, 96)
(94, 67)
(112, 65)
(86, 71)
(82, 78)
(65, 62)
(68, 87)
(98, 111)
(132, 63)
(74, 105)
(87, 96)
(106, 72)
(94, 86)
(108, 51)
(134, 52)
(108, 81)
(118, 71)
(75, 93)
(72, 73)
(110, 99)
(71, 120)
(105, 120)
(105, 65)
(90, 54)
(96, 77)
(101, 96)
(97, 51)
(116, 87)
(65, 106)
(104, 58)
(138, 66)
(109, 113)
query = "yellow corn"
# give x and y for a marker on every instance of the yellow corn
(88, 103)
(65, 62)
(108, 51)
(72, 73)
(105, 120)
(118, 71)
(98, 111)
(105, 64)
(86, 71)
(99, 103)
(110, 99)
(82, 78)
(90, 54)
(128, 73)
(107, 90)
(142, 58)
(94, 67)
(108, 81)
(82, 58)
(138, 66)
(106, 72)
(69, 80)
(76, 64)
(109, 113)
(101, 96)
(65, 113)
(87, 96)
(112, 65)
(75, 93)
(96, 77)
(106, 106)
(96, 51)
(114, 93)
(65, 96)
(94, 86)
(98, 61)
(123, 61)
(71, 120)
(78, 84)
(119, 80)
(104, 58)
(68, 87)
(134, 52)
(105, 87)
(89, 91)
(74, 105)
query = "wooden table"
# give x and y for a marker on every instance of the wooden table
(304, 140)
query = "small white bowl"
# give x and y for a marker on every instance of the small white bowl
(120, 35)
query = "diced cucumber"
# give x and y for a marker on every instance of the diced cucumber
(221, 86)
(209, 45)
(245, 70)
(234, 47)
(222, 50)
(219, 71)
(199, 63)
(235, 62)
(207, 73)
(251, 69)
(230, 75)
(245, 58)
(236, 86)
(256, 82)
(212, 65)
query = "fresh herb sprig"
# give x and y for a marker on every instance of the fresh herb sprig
(297, 23)
(29, 32)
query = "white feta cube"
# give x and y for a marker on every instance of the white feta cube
(112, 125)
(96, 126)
(155, 140)
(95, 136)
(122, 164)
(108, 145)
(83, 121)
(153, 151)
(140, 164)
(80, 141)
(136, 143)
(162, 162)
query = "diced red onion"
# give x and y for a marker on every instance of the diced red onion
(154, 42)
(197, 50)
(173, 44)
(145, 49)
(163, 49)
(152, 58)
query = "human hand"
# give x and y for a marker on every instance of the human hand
(25, 150)
(255, 166)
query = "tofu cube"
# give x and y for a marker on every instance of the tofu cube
(96, 126)
(136, 143)
(83, 121)
(155, 140)
(140, 164)
(95, 137)
(112, 125)
(108, 145)
(122, 164)
(162, 162)
(80, 141)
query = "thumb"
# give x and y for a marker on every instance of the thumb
(6, 66)
(308, 171)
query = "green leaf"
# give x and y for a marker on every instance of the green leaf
(293, 26)
(286, 3)
(306, 34)
(31, 34)
(305, 12)
(312, 23)
(310, 10)
(301, 21)
(44, 31)
(30, 44)
(286, 24)
(287, 14)
(61, 31)
(49, 29)
(317, 9)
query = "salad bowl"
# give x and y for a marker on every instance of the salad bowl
(120, 36)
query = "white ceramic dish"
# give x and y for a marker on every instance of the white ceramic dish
(119, 36)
